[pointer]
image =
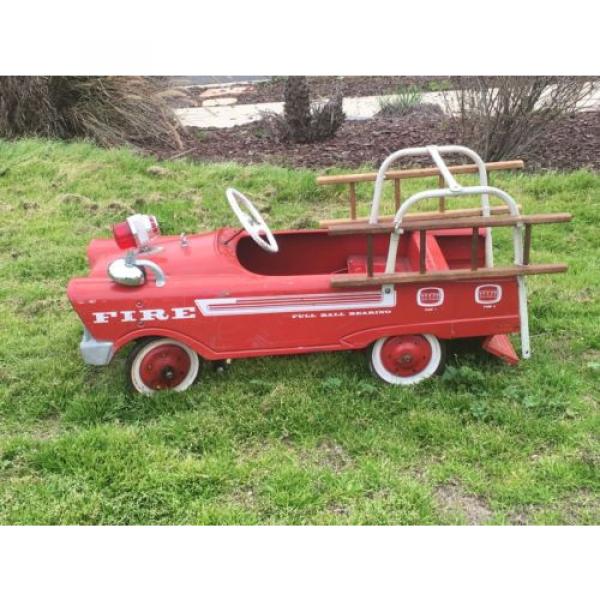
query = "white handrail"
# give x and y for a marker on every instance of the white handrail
(435, 153)
(463, 191)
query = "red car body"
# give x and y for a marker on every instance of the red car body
(229, 299)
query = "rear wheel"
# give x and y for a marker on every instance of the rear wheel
(407, 359)
(163, 364)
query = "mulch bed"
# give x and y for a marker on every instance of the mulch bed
(571, 143)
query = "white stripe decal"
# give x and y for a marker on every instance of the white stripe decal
(253, 305)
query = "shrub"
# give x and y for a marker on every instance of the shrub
(109, 110)
(501, 116)
(302, 122)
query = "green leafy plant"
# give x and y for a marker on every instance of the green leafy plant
(402, 103)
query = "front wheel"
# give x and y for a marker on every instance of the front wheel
(162, 364)
(407, 359)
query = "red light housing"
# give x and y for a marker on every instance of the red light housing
(124, 236)
(154, 229)
(136, 232)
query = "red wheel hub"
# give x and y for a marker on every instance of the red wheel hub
(406, 355)
(165, 367)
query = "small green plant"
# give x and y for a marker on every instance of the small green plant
(402, 103)
(438, 86)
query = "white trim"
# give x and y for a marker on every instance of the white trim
(497, 287)
(428, 371)
(256, 305)
(136, 378)
(437, 303)
(523, 317)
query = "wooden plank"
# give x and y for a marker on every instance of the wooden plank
(345, 281)
(362, 228)
(458, 212)
(442, 200)
(417, 173)
(352, 201)
(457, 223)
(527, 244)
(422, 250)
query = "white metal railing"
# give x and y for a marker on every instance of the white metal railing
(454, 187)
(461, 191)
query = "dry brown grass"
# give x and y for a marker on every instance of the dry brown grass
(108, 110)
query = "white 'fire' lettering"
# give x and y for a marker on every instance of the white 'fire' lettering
(154, 314)
(103, 317)
(184, 312)
(150, 314)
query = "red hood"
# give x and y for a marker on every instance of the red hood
(201, 254)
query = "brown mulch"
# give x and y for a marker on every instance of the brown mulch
(356, 143)
(570, 143)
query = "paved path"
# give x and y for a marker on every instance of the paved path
(206, 80)
(224, 112)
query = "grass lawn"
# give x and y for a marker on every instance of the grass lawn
(307, 439)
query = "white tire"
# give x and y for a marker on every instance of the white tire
(163, 364)
(406, 359)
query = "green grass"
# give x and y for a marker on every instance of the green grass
(308, 439)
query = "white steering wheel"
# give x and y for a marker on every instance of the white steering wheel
(251, 220)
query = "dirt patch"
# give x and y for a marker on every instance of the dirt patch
(585, 504)
(29, 205)
(46, 305)
(520, 517)
(453, 499)
(333, 456)
(244, 497)
(591, 355)
(157, 171)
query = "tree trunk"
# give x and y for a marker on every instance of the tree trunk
(296, 109)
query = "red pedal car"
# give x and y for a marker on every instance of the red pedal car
(401, 287)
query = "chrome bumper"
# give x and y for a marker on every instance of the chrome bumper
(95, 352)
